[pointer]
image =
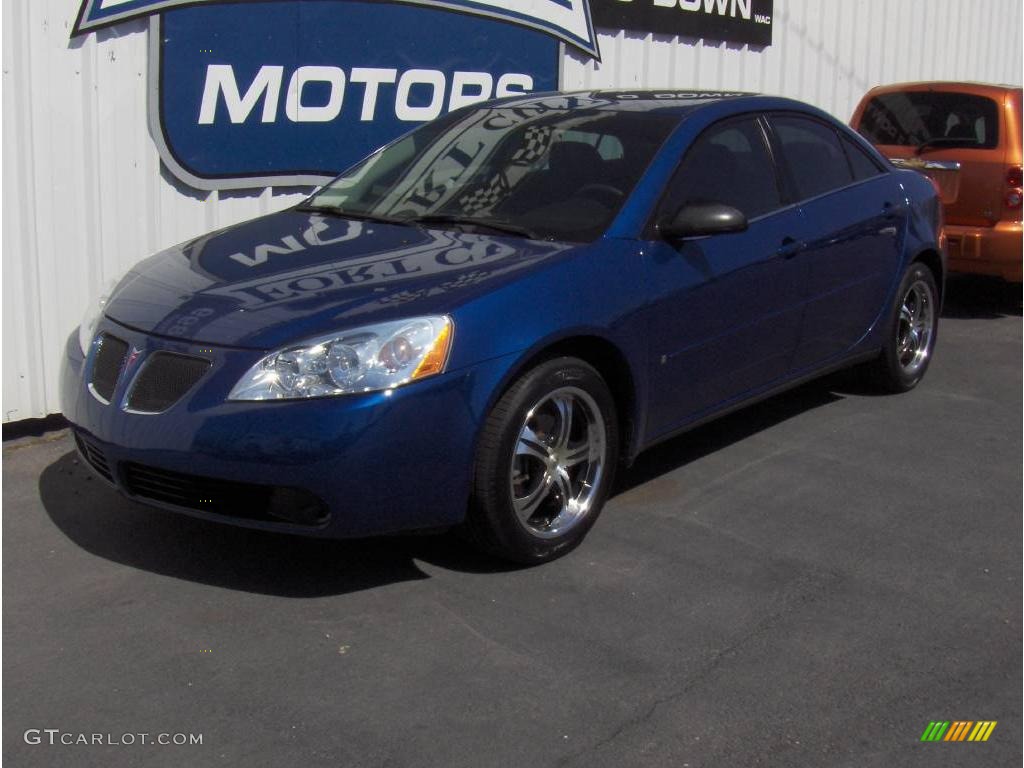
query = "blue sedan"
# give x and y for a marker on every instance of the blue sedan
(478, 323)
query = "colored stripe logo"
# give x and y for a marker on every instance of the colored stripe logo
(958, 730)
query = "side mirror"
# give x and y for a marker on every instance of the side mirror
(700, 219)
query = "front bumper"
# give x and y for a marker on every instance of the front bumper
(995, 251)
(379, 462)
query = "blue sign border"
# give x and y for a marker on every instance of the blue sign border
(91, 16)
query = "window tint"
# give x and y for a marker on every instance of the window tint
(862, 165)
(813, 154)
(729, 163)
(934, 117)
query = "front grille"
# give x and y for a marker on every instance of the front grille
(94, 455)
(224, 497)
(107, 365)
(164, 378)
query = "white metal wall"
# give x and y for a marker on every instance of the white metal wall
(85, 197)
(825, 52)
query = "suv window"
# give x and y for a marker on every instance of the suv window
(937, 118)
(813, 154)
(728, 163)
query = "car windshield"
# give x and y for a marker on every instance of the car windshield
(931, 119)
(529, 172)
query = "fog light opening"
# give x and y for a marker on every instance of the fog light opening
(297, 506)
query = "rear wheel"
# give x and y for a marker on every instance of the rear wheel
(545, 463)
(910, 333)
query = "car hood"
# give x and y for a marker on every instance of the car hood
(291, 275)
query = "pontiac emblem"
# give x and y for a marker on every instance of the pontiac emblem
(132, 357)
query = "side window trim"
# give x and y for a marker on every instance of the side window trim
(782, 172)
(650, 230)
(762, 125)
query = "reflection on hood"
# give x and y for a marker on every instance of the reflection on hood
(289, 273)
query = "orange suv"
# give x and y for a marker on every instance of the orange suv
(967, 138)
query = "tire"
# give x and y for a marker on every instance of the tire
(537, 487)
(910, 332)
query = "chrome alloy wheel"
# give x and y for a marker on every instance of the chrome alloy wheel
(916, 326)
(558, 462)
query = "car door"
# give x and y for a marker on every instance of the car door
(853, 227)
(724, 309)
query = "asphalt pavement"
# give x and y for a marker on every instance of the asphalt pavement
(808, 582)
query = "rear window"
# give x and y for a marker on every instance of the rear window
(934, 118)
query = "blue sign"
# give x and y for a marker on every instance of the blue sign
(292, 92)
(568, 20)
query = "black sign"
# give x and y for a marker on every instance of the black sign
(738, 21)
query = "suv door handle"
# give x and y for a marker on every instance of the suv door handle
(790, 247)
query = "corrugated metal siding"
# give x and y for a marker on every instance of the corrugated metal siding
(825, 52)
(85, 197)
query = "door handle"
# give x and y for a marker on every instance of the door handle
(790, 247)
(891, 211)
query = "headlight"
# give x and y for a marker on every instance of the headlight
(362, 360)
(87, 328)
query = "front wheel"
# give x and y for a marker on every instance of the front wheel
(545, 463)
(911, 331)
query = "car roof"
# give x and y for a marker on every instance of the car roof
(671, 101)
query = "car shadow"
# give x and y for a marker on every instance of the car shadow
(723, 432)
(102, 522)
(976, 297)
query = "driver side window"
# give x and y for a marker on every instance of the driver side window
(728, 163)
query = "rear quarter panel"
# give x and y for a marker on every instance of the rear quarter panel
(924, 220)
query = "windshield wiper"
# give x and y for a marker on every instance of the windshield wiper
(939, 140)
(497, 225)
(335, 210)
(431, 218)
